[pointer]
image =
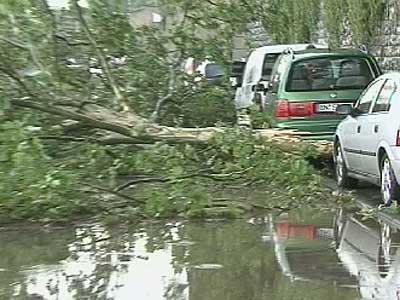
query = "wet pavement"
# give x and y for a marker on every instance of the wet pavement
(300, 255)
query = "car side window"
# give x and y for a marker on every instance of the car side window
(278, 69)
(269, 61)
(369, 96)
(382, 103)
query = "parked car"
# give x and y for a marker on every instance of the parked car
(207, 71)
(307, 86)
(255, 77)
(367, 142)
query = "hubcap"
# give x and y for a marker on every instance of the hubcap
(386, 182)
(339, 165)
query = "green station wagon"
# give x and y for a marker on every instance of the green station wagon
(307, 86)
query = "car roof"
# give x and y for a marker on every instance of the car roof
(310, 53)
(282, 47)
(390, 75)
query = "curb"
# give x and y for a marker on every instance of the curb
(361, 202)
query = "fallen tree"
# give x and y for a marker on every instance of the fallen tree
(77, 142)
(129, 128)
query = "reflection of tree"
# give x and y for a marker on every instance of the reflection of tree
(166, 261)
(28, 249)
(90, 263)
(248, 264)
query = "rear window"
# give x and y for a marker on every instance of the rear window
(268, 65)
(329, 73)
(214, 70)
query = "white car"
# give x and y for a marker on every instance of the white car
(367, 142)
(206, 70)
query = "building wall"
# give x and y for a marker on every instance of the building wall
(386, 46)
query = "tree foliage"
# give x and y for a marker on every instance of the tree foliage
(297, 21)
(291, 21)
(102, 90)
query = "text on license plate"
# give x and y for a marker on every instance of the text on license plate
(326, 107)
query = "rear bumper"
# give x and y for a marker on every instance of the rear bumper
(311, 129)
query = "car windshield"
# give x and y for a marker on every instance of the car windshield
(268, 65)
(214, 70)
(329, 73)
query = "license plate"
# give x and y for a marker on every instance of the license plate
(327, 107)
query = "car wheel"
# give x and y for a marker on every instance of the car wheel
(389, 187)
(342, 178)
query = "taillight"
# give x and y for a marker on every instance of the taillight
(282, 109)
(286, 109)
(301, 109)
(398, 138)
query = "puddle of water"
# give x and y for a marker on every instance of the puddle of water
(301, 255)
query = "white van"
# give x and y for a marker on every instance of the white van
(256, 76)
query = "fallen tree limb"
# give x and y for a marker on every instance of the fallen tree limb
(216, 177)
(119, 98)
(112, 192)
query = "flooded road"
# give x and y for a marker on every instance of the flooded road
(299, 255)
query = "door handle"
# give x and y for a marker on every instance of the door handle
(358, 128)
(376, 128)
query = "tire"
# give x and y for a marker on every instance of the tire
(390, 190)
(342, 178)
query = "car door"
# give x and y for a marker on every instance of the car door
(373, 128)
(252, 73)
(351, 136)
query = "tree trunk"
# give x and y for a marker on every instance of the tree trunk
(130, 128)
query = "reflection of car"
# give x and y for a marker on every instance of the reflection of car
(367, 142)
(303, 250)
(257, 73)
(369, 250)
(306, 87)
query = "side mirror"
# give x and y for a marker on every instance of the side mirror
(347, 109)
(344, 109)
(355, 112)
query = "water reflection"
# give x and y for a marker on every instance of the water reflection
(303, 250)
(369, 251)
(277, 257)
